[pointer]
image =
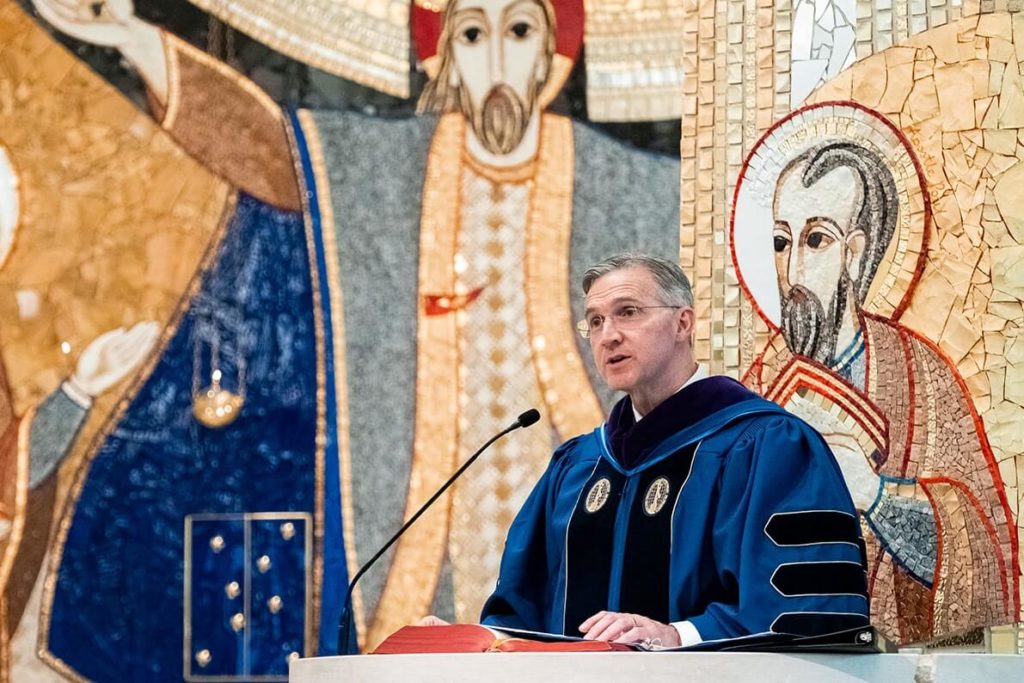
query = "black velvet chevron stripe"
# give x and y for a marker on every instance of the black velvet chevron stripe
(589, 547)
(820, 578)
(814, 623)
(812, 526)
(648, 551)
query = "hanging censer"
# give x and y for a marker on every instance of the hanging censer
(213, 405)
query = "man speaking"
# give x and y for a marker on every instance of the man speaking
(698, 511)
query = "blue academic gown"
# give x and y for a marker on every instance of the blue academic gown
(719, 507)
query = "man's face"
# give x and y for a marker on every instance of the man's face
(816, 246)
(638, 359)
(498, 52)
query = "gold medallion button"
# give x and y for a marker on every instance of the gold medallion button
(598, 495)
(656, 496)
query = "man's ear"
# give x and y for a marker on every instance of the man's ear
(453, 77)
(856, 241)
(685, 322)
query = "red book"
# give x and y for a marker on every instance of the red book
(455, 638)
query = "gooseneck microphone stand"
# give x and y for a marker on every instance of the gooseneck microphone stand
(346, 643)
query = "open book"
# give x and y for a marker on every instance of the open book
(455, 638)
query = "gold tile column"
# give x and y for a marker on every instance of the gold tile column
(900, 21)
(865, 28)
(756, 51)
(782, 45)
(730, 97)
(917, 17)
(737, 23)
(882, 23)
(697, 159)
(774, 39)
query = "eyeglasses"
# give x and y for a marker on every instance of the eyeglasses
(625, 317)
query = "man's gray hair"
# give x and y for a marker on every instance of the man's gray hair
(673, 285)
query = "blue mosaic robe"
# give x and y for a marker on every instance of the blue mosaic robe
(171, 513)
(736, 519)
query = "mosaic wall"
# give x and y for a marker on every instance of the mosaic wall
(228, 369)
(94, 197)
(856, 240)
(356, 332)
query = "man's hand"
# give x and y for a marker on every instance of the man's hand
(620, 627)
(112, 23)
(431, 620)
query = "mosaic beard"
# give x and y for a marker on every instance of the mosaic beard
(500, 123)
(807, 328)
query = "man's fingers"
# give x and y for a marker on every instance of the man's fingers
(611, 627)
(633, 635)
(431, 620)
(586, 625)
(599, 626)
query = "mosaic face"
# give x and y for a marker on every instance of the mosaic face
(498, 52)
(816, 242)
(825, 214)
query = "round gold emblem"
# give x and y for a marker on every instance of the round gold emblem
(657, 494)
(598, 495)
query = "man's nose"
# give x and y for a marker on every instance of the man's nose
(608, 333)
(496, 60)
(792, 272)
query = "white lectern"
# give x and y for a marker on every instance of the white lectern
(593, 667)
(654, 667)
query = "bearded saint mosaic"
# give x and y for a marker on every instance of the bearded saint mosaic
(387, 295)
(830, 230)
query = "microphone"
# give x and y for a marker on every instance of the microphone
(345, 644)
(524, 420)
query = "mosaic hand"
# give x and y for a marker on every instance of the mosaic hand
(108, 23)
(112, 23)
(112, 356)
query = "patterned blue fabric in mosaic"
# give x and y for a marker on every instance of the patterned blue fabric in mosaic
(118, 607)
